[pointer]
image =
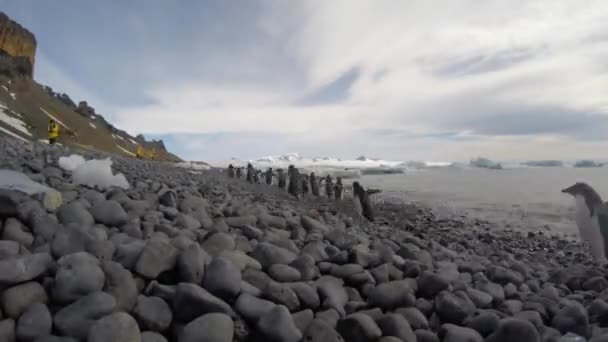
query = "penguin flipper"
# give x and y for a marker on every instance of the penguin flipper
(602, 217)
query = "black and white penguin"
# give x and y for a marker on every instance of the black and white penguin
(591, 218)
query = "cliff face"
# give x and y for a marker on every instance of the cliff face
(16, 41)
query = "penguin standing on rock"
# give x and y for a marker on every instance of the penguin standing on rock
(591, 219)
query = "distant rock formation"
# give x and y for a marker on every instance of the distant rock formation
(84, 109)
(17, 42)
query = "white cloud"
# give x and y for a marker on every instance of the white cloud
(424, 66)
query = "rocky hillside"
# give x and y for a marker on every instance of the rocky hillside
(26, 106)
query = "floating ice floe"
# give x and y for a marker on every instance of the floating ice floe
(94, 173)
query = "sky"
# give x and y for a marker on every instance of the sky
(393, 79)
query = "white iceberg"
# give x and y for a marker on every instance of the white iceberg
(72, 162)
(93, 173)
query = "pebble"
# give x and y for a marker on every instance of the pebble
(212, 327)
(218, 242)
(192, 301)
(454, 333)
(512, 329)
(252, 308)
(76, 319)
(117, 327)
(120, 284)
(302, 319)
(109, 213)
(416, 319)
(7, 329)
(430, 284)
(35, 322)
(268, 254)
(307, 295)
(157, 256)
(426, 336)
(278, 325)
(222, 278)
(153, 313)
(392, 295)
(191, 264)
(396, 325)
(453, 307)
(78, 275)
(75, 212)
(151, 336)
(359, 328)
(319, 331)
(485, 322)
(572, 318)
(284, 273)
(16, 299)
(24, 268)
(282, 294)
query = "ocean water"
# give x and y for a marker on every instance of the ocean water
(526, 199)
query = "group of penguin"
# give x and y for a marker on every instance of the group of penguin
(302, 184)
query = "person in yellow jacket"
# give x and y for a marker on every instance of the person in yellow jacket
(152, 154)
(53, 131)
(139, 154)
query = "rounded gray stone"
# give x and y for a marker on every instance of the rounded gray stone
(117, 327)
(415, 318)
(24, 268)
(76, 319)
(453, 307)
(191, 264)
(157, 256)
(18, 298)
(35, 322)
(283, 273)
(153, 313)
(218, 242)
(120, 284)
(392, 295)
(151, 336)
(278, 325)
(454, 333)
(512, 329)
(213, 327)
(222, 278)
(191, 301)
(268, 254)
(75, 212)
(7, 330)
(110, 213)
(359, 328)
(397, 326)
(78, 275)
(252, 308)
(319, 331)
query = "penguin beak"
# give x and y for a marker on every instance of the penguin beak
(567, 190)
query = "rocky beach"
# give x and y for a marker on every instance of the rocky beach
(193, 256)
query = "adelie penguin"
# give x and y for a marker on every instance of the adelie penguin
(591, 219)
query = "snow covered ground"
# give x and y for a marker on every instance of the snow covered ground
(125, 150)
(14, 122)
(92, 125)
